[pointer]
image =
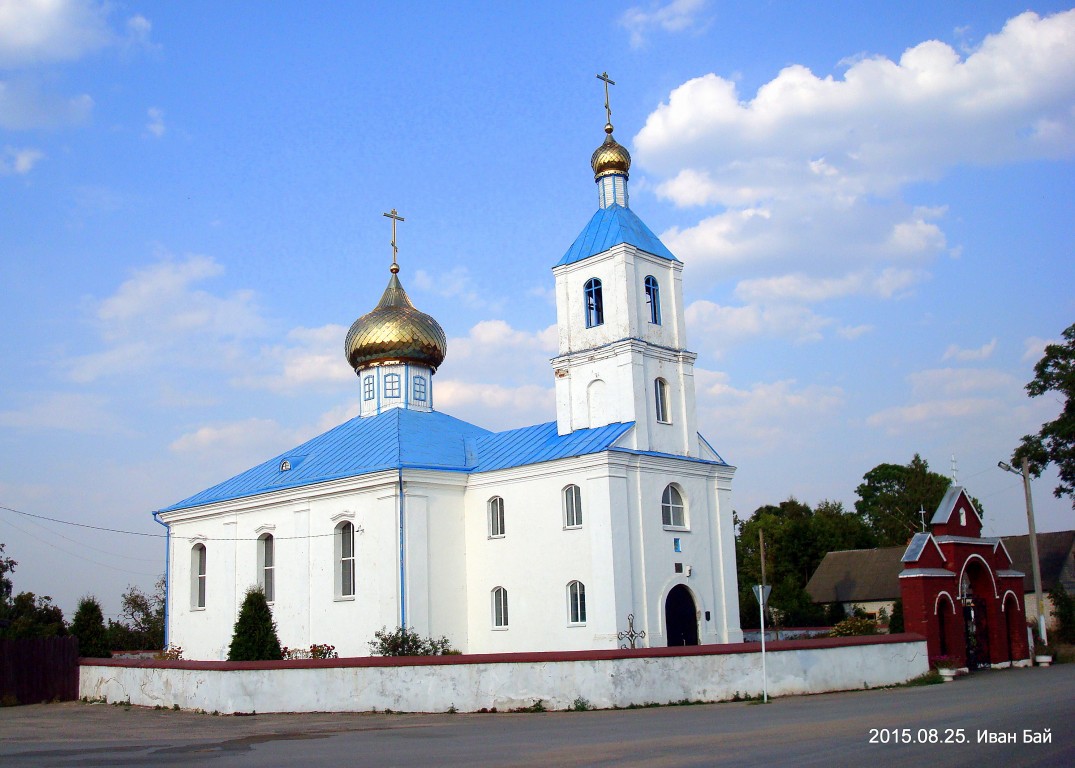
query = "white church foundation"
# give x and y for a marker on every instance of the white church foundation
(605, 679)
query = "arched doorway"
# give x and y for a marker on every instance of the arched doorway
(974, 588)
(681, 617)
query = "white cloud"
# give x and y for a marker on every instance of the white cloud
(804, 288)
(158, 318)
(1034, 348)
(156, 121)
(34, 31)
(496, 406)
(807, 173)
(64, 411)
(938, 413)
(854, 331)
(18, 161)
(960, 381)
(307, 357)
(954, 352)
(24, 106)
(674, 16)
(883, 122)
(718, 327)
(456, 283)
(763, 417)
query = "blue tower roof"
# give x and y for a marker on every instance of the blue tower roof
(611, 226)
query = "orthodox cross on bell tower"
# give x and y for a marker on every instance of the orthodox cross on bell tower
(394, 216)
(608, 110)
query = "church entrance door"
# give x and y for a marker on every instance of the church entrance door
(681, 617)
(974, 616)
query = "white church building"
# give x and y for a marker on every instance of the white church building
(554, 537)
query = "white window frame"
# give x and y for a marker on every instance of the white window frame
(499, 607)
(576, 603)
(368, 389)
(495, 507)
(267, 565)
(673, 515)
(198, 559)
(344, 545)
(572, 502)
(420, 389)
(660, 397)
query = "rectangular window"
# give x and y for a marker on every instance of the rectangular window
(660, 393)
(420, 389)
(391, 385)
(367, 388)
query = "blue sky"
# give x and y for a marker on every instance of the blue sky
(873, 202)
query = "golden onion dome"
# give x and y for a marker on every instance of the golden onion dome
(395, 332)
(610, 157)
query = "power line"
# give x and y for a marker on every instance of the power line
(157, 535)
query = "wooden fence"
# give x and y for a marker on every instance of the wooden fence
(38, 669)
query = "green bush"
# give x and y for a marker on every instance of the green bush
(1064, 612)
(406, 642)
(895, 623)
(854, 626)
(254, 638)
(89, 627)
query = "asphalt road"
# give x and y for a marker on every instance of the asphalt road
(826, 730)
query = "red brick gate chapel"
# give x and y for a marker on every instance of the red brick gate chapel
(959, 589)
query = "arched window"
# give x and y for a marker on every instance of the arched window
(572, 507)
(576, 602)
(672, 510)
(653, 299)
(345, 559)
(391, 385)
(660, 396)
(595, 307)
(496, 517)
(267, 566)
(500, 608)
(367, 388)
(197, 576)
(420, 389)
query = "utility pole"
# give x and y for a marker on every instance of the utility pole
(1035, 568)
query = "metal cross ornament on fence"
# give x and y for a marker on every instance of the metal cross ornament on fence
(630, 634)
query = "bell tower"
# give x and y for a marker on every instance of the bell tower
(620, 314)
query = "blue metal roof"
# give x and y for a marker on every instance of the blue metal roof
(408, 439)
(612, 226)
(531, 445)
(396, 438)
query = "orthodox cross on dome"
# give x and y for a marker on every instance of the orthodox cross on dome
(608, 110)
(394, 216)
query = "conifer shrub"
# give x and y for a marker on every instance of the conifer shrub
(89, 627)
(254, 637)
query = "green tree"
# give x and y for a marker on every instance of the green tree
(1055, 442)
(254, 637)
(89, 627)
(7, 565)
(891, 495)
(142, 624)
(796, 539)
(31, 616)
